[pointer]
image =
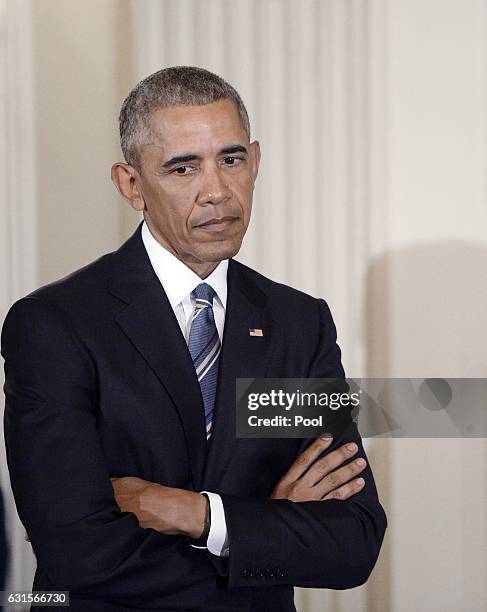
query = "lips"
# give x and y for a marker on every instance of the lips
(218, 223)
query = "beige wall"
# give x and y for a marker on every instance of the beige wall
(82, 69)
(373, 194)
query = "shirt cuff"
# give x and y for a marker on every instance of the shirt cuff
(217, 542)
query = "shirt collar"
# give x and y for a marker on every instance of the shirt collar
(176, 278)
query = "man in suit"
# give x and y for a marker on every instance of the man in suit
(120, 393)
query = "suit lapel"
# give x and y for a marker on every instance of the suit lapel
(150, 324)
(242, 356)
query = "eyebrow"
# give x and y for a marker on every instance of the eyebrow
(181, 159)
(234, 149)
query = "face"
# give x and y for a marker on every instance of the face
(195, 182)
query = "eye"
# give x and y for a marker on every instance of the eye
(182, 170)
(231, 160)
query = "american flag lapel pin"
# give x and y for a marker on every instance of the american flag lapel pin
(256, 332)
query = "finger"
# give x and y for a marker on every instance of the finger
(306, 458)
(346, 490)
(325, 465)
(339, 477)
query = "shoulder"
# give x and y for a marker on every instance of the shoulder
(301, 314)
(52, 310)
(278, 295)
(85, 289)
(47, 311)
(307, 334)
(85, 284)
(83, 281)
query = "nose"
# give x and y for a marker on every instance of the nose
(214, 187)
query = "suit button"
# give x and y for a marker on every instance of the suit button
(247, 573)
(269, 573)
(259, 573)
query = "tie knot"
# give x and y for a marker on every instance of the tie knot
(204, 292)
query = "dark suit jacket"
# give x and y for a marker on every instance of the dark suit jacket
(99, 383)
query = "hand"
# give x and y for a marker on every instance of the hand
(168, 510)
(310, 478)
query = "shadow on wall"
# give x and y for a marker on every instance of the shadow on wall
(426, 316)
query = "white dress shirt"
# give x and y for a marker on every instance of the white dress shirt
(179, 282)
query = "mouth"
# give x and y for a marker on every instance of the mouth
(216, 225)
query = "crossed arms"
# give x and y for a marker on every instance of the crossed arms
(320, 524)
(174, 511)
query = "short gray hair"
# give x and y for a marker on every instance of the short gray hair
(175, 86)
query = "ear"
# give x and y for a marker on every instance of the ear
(127, 181)
(255, 158)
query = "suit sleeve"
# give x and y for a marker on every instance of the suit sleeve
(82, 541)
(328, 544)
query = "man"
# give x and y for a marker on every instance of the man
(120, 386)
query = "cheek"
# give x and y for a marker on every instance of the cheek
(245, 189)
(178, 219)
(171, 208)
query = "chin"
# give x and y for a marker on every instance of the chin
(220, 253)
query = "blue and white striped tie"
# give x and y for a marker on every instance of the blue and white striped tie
(204, 346)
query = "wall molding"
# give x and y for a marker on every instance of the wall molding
(18, 230)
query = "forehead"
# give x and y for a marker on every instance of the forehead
(191, 128)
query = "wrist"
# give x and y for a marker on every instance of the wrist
(201, 528)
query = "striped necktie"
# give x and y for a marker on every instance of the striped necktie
(204, 347)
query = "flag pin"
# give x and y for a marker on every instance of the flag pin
(256, 332)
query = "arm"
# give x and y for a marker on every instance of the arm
(328, 541)
(331, 543)
(323, 527)
(64, 496)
